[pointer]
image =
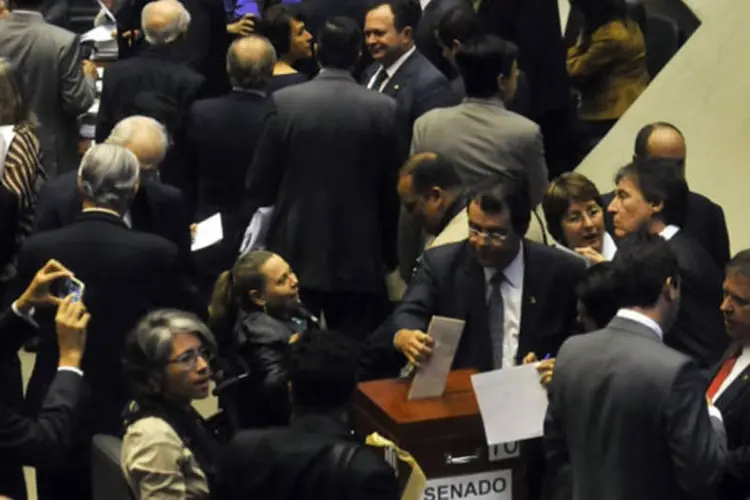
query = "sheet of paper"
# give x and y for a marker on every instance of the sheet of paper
(107, 11)
(429, 382)
(512, 402)
(207, 233)
(98, 34)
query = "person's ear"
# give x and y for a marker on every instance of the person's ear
(408, 32)
(456, 45)
(657, 208)
(257, 297)
(315, 47)
(671, 289)
(435, 193)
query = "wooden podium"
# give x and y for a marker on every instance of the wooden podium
(446, 437)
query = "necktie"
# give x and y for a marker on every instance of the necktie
(496, 307)
(379, 79)
(721, 376)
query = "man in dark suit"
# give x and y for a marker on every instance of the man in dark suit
(300, 461)
(400, 69)
(627, 416)
(651, 194)
(517, 297)
(331, 175)
(154, 83)
(704, 220)
(223, 134)
(157, 208)
(126, 274)
(425, 39)
(728, 389)
(39, 442)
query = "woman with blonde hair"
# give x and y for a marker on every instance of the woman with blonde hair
(256, 312)
(21, 171)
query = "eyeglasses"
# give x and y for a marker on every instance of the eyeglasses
(577, 217)
(496, 236)
(189, 358)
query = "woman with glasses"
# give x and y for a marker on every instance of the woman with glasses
(167, 452)
(256, 312)
(575, 217)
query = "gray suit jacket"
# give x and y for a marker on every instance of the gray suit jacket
(627, 419)
(48, 60)
(482, 138)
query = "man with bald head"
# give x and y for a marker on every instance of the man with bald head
(222, 134)
(157, 208)
(705, 220)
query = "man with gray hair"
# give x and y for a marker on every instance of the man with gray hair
(126, 273)
(157, 208)
(222, 135)
(156, 82)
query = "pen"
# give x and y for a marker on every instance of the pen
(549, 355)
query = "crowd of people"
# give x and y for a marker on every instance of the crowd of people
(374, 164)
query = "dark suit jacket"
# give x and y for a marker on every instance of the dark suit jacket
(418, 87)
(330, 174)
(705, 222)
(734, 404)
(451, 283)
(425, 38)
(627, 418)
(153, 83)
(699, 329)
(126, 274)
(290, 464)
(157, 208)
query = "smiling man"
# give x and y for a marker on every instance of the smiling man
(651, 195)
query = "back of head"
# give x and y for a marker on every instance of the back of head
(339, 43)
(660, 140)
(568, 187)
(428, 170)
(13, 107)
(642, 265)
(506, 192)
(660, 182)
(250, 62)
(164, 21)
(481, 61)
(323, 371)
(460, 23)
(598, 12)
(144, 136)
(108, 177)
(598, 294)
(406, 13)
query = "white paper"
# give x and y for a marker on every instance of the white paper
(94, 109)
(98, 34)
(495, 485)
(208, 233)
(100, 71)
(431, 377)
(512, 402)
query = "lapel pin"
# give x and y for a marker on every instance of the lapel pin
(745, 377)
(396, 87)
(532, 300)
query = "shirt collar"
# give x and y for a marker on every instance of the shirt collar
(642, 319)
(609, 247)
(393, 68)
(513, 272)
(424, 3)
(668, 232)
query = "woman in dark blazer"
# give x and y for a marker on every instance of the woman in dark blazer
(256, 313)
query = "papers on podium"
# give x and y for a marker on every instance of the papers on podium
(208, 233)
(431, 377)
(512, 403)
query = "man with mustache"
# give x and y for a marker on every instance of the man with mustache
(651, 194)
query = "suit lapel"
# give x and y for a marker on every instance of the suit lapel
(472, 306)
(736, 388)
(534, 283)
(403, 74)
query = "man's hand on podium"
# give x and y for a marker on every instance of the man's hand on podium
(415, 345)
(545, 368)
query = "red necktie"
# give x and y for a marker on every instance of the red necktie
(720, 377)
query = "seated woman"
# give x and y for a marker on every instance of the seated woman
(21, 171)
(607, 65)
(575, 217)
(256, 313)
(292, 41)
(597, 297)
(166, 451)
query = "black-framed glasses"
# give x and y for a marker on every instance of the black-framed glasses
(496, 236)
(189, 358)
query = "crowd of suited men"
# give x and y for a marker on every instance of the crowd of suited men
(389, 162)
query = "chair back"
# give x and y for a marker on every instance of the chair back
(107, 477)
(663, 40)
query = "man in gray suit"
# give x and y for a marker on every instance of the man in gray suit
(627, 416)
(328, 161)
(480, 137)
(57, 85)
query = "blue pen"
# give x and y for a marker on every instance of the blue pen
(547, 356)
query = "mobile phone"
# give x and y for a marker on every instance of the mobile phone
(68, 286)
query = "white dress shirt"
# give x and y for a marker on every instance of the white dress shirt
(668, 232)
(642, 319)
(512, 292)
(391, 70)
(609, 247)
(743, 361)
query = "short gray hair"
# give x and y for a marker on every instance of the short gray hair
(251, 66)
(133, 128)
(148, 348)
(108, 177)
(163, 34)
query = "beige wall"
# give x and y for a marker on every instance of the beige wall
(705, 91)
